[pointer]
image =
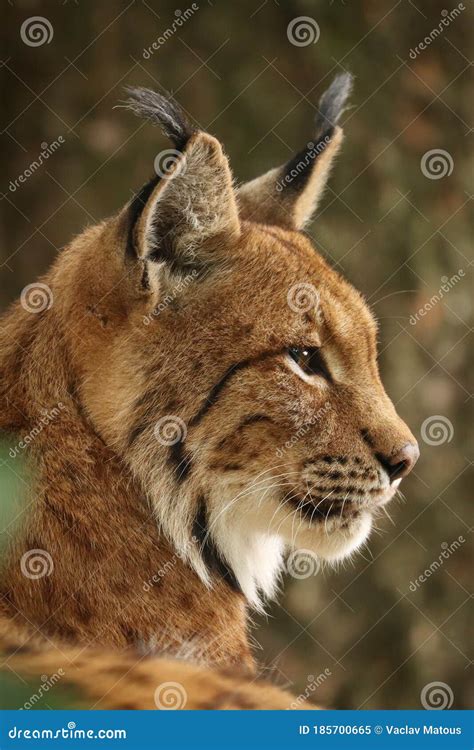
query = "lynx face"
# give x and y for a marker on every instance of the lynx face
(232, 369)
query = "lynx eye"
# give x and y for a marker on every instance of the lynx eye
(310, 360)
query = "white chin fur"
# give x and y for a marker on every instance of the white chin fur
(254, 545)
(256, 559)
(336, 544)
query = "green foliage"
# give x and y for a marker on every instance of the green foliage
(15, 692)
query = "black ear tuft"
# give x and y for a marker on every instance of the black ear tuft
(162, 111)
(332, 103)
(330, 109)
(287, 196)
(168, 115)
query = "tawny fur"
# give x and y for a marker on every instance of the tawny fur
(194, 323)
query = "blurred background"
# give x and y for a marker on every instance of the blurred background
(378, 632)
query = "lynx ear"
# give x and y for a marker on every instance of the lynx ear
(185, 213)
(288, 195)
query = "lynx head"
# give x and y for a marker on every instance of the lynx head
(227, 364)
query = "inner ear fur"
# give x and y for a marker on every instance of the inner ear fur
(183, 216)
(288, 195)
(192, 211)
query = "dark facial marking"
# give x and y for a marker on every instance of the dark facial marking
(220, 385)
(232, 467)
(313, 512)
(252, 419)
(135, 433)
(181, 461)
(348, 491)
(367, 438)
(208, 549)
(245, 422)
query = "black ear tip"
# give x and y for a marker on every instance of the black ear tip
(333, 101)
(162, 111)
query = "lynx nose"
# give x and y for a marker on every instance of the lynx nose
(399, 464)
